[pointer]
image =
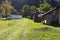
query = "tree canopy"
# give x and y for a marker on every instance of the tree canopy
(44, 7)
(6, 9)
(28, 10)
(33, 9)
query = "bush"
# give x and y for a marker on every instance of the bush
(44, 7)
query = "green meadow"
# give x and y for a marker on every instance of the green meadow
(26, 29)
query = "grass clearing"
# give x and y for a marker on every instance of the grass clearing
(26, 29)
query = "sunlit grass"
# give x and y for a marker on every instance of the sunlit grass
(26, 29)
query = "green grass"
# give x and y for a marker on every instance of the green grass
(26, 29)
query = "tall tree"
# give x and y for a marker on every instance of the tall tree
(6, 9)
(33, 9)
(1, 11)
(26, 10)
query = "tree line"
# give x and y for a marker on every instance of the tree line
(28, 10)
(6, 9)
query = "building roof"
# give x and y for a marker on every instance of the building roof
(51, 10)
(41, 15)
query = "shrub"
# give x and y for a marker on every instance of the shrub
(44, 7)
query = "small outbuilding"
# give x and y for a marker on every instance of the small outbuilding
(52, 16)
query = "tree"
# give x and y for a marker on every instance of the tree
(1, 11)
(26, 10)
(33, 9)
(6, 9)
(44, 7)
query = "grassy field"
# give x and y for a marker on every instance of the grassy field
(25, 29)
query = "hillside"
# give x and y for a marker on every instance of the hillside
(26, 29)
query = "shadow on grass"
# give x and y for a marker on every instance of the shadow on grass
(43, 29)
(54, 25)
